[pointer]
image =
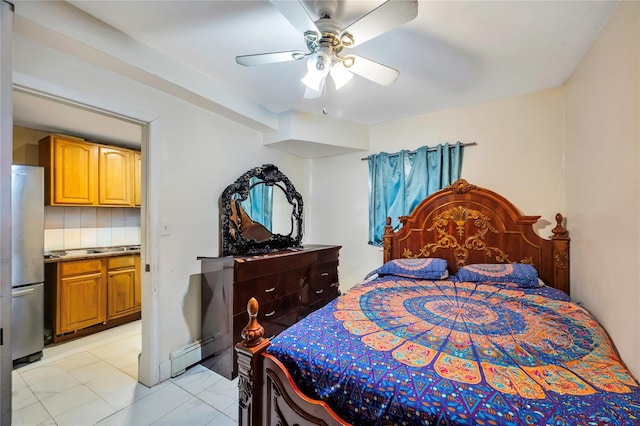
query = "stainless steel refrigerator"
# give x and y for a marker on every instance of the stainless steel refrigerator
(27, 262)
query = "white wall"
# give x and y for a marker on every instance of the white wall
(603, 191)
(519, 155)
(195, 155)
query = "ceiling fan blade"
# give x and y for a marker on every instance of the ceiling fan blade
(270, 58)
(385, 17)
(373, 71)
(296, 14)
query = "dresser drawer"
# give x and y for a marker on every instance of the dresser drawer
(265, 289)
(322, 275)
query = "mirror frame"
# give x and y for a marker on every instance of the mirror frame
(239, 190)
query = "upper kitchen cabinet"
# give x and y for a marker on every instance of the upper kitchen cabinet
(70, 171)
(80, 173)
(115, 176)
(137, 179)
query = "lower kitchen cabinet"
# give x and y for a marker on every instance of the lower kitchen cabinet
(123, 289)
(90, 295)
(81, 300)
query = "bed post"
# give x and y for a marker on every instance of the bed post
(560, 241)
(386, 241)
(250, 362)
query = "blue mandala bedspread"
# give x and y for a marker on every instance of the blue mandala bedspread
(400, 351)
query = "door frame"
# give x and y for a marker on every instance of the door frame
(6, 158)
(148, 362)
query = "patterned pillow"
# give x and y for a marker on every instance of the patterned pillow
(520, 273)
(426, 269)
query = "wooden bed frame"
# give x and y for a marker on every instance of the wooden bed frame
(462, 223)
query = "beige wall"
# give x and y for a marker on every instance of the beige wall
(603, 194)
(25, 145)
(519, 155)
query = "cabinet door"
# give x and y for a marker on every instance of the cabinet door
(81, 302)
(138, 287)
(114, 176)
(137, 179)
(121, 288)
(74, 172)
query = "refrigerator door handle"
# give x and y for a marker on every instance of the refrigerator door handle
(23, 292)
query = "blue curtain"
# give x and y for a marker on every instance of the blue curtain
(399, 182)
(259, 204)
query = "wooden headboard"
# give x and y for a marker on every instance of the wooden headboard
(466, 224)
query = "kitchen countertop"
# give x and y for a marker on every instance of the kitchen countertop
(89, 253)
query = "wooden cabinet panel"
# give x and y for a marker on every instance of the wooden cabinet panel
(137, 179)
(80, 173)
(81, 296)
(92, 292)
(70, 171)
(114, 176)
(122, 286)
(137, 300)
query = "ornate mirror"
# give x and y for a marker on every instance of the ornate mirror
(260, 212)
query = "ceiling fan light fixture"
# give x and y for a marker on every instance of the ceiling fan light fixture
(340, 75)
(317, 70)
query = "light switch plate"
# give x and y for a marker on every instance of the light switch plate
(165, 228)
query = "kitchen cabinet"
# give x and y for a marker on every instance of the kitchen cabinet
(81, 300)
(115, 176)
(123, 290)
(70, 171)
(81, 173)
(90, 295)
(137, 178)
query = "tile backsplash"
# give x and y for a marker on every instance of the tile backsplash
(85, 227)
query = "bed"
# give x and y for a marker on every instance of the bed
(467, 321)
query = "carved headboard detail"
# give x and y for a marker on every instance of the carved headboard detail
(466, 224)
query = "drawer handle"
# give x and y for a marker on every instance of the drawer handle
(270, 314)
(269, 290)
(324, 274)
(320, 291)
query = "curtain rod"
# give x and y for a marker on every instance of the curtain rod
(429, 149)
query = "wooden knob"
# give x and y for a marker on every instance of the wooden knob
(559, 232)
(253, 332)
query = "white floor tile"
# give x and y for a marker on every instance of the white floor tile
(30, 415)
(150, 408)
(46, 381)
(65, 401)
(196, 379)
(222, 420)
(217, 398)
(93, 380)
(128, 394)
(88, 413)
(194, 412)
(21, 398)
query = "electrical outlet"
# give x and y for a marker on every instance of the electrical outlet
(165, 229)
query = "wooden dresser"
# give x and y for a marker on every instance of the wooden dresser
(288, 284)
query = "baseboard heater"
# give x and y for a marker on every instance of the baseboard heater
(192, 354)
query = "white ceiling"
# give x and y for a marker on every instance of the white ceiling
(455, 53)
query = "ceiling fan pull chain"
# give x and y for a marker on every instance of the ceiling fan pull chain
(325, 111)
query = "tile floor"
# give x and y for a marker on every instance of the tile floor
(93, 381)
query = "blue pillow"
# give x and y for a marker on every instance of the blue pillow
(520, 273)
(427, 269)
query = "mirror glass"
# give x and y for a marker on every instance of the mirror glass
(260, 212)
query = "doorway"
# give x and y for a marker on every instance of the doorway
(36, 115)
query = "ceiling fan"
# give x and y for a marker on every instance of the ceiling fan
(326, 39)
